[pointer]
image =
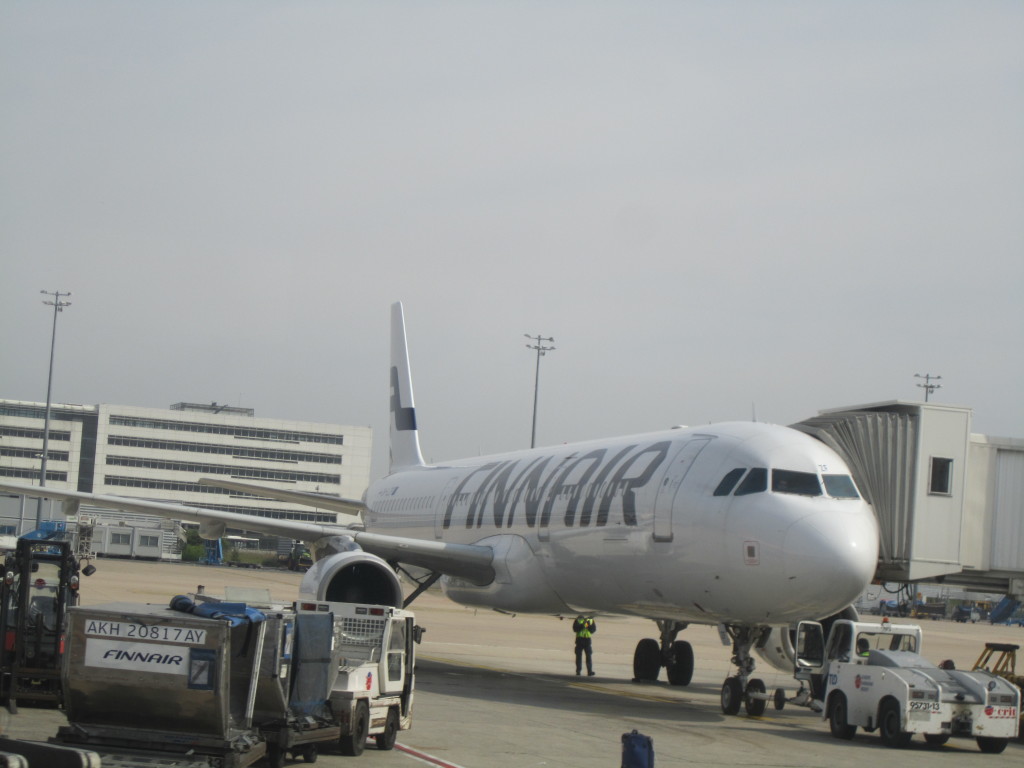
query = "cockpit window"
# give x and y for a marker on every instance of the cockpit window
(840, 487)
(800, 483)
(756, 481)
(729, 481)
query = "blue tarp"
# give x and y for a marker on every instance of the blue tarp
(235, 614)
(1004, 610)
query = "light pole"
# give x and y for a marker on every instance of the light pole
(58, 306)
(541, 349)
(928, 387)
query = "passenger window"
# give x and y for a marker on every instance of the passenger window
(800, 483)
(756, 481)
(840, 487)
(729, 481)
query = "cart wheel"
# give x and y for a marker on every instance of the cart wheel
(889, 725)
(780, 699)
(991, 744)
(354, 742)
(309, 753)
(386, 740)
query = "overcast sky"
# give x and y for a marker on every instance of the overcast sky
(715, 208)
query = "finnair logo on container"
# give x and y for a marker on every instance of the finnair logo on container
(135, 657)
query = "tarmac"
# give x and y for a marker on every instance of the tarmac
(499, 691)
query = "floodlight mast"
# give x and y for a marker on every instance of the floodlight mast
(928, 387)
(58, 306)
(541, 350)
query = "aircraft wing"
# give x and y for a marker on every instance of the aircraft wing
(469, 561)
(321, 500)
(292, 528)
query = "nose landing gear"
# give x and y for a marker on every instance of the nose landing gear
(742, 689)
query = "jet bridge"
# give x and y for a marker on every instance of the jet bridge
(948, 503)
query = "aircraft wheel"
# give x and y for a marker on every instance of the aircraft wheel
(890, 727)
(680, 669)
(991, 744)
(386, 740)
(353, 743)
(647, 660)
(780, 699)
(732, 696)
(838, 714)
(755, 704)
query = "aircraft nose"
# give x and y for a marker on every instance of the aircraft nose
(832, 553)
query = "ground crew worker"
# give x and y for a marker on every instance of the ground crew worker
(584, 627)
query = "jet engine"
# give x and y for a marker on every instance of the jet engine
(353, 576)
(777, 646)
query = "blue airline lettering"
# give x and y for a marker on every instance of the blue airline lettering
(148, 658)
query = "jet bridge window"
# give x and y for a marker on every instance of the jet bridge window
(800, 483)
(840, 487)
(729, 481)
(756, 481)
(940, 481)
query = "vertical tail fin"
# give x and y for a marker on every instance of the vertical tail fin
(405, 439)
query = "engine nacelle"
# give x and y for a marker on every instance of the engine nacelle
(519, 583)
(352, 577)
(777, 648)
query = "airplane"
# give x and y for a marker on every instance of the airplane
(745, 525)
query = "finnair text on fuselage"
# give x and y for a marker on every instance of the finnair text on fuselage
(526, 489)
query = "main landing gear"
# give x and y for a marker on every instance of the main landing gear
(675, 655)
(742, 689)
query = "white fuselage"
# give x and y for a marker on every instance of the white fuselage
(641, 525)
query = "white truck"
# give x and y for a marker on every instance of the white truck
(872, 676)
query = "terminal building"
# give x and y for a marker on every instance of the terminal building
(159, 454)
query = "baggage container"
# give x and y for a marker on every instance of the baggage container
(147, 678)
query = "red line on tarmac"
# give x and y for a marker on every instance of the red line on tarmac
(425, 757)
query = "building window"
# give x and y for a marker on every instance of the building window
(149, 541)
(245, 433)
(941, 479)
(123, 539)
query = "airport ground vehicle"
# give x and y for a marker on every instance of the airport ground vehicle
(40, 581)
(209, 682)
(874, 677)
(1001, 659)
(297, 558)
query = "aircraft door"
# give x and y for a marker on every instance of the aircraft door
(671, 481)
